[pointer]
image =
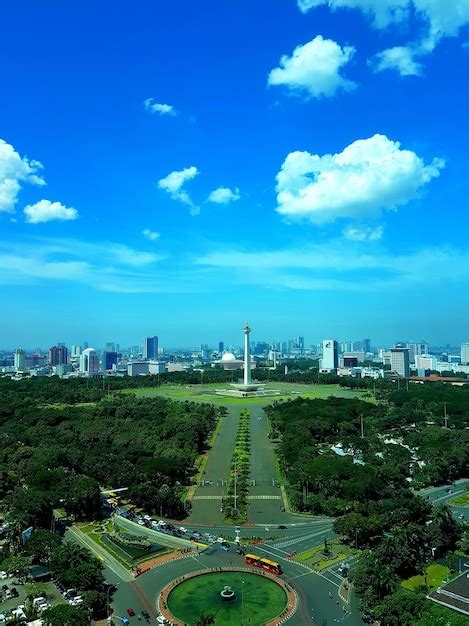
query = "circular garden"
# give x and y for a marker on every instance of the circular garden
(257, 599)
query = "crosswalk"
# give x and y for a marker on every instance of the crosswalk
(295, 540)
(264, 498)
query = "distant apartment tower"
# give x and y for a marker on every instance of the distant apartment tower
(400, 361)
(89, 361)
(75, 352)
(19, 359)
(58, 355)
(150, 347)
(367, 345)
(109, 359)
(330, 354)
(465, 353)
(221, 346)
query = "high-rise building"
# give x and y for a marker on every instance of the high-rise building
(75, 352)
(400, 361)
(366, 345)
(330, 354)
(86, 345)
(221, 346)
(58, 355)
(110, 347)
(89, 361)
(19, 359)
(300, 344)
(109, 359)
(465, 353)
(150, 347)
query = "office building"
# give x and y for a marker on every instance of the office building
(465, 353)
(58, 355)
(330, 354)
(109, 359)
(150, 347)
(156, 367)
(138, 368)
(19, 357)
(89, 362)
(75, 352)
(426, 362)
(400, 361)
(221, 346)
(367, 345)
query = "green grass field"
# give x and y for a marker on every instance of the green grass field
(258, 599)
(436, 575)
(206, 393)
(314, 558)
(462, 500)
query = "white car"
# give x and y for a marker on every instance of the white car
(3, 575)
(182, 529)
(220, 540)
(161, 523)
(140, 522)
(155, 524)
(147, 517)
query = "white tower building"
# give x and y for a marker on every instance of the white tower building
(465, 353)
(89, 361)
(330, 354)
(19, 359)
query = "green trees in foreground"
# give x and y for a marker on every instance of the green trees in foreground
(65, 615)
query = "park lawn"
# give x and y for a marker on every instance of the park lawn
(462, 500)
(206, 393)
(436, 575)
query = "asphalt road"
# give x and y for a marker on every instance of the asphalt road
(207, 499)
(440, 495)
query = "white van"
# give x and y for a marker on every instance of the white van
(40, 600)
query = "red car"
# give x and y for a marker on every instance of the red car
(130, 612)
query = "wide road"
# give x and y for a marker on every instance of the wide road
(207, 499)
(319, 602)
(443, 495)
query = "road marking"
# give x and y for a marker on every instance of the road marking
(447, 496)
(292, 542)
(207, 497)
(264, 498)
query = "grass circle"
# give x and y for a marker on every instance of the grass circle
(259, 599)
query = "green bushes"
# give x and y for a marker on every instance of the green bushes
(239, 474)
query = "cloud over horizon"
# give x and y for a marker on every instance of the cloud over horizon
(174, 182)
(15, 170)
(366, 178)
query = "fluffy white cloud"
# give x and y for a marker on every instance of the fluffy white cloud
(400, 58)
(224, 195)
(368, 176)
(47, 211)
(314, 68)
(152, 235)
(363, 233)
(15, 170)
(438, 19)
(173, 184)
(157, 107)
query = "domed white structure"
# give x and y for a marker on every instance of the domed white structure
(89, 361)
(228, 357)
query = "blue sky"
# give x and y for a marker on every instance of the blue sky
(178, 168)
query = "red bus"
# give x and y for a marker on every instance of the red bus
(265, 564)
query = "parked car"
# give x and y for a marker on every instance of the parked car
(225, 547)
(220, 539)
(3, 575)
(130, 612)
(14, 592)
(282, 527)
(183, 530)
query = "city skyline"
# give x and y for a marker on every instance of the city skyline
(164, 176)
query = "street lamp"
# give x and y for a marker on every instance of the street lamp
(242, 602)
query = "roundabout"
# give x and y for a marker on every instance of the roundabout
(227, 597)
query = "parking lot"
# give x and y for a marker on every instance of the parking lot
(9, 601)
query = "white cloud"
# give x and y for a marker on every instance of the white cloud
(224, 195)
(15, 170)
(47, 211)
(368, 176)
(340, 265)
(173, 184)
(152, 235)
(437, 19)
(157, 107)
(363, 233)
(314, 68)
(383, 12)
(400, 58)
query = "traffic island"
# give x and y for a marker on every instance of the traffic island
(229, 597)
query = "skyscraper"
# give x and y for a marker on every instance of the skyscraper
(58, 355)
(330, 354)
(465, 353)
(19, 359)
(400, 361)
(89, 361)
(109, 359)
(366, 345)
(150, 347)
(221, 346)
